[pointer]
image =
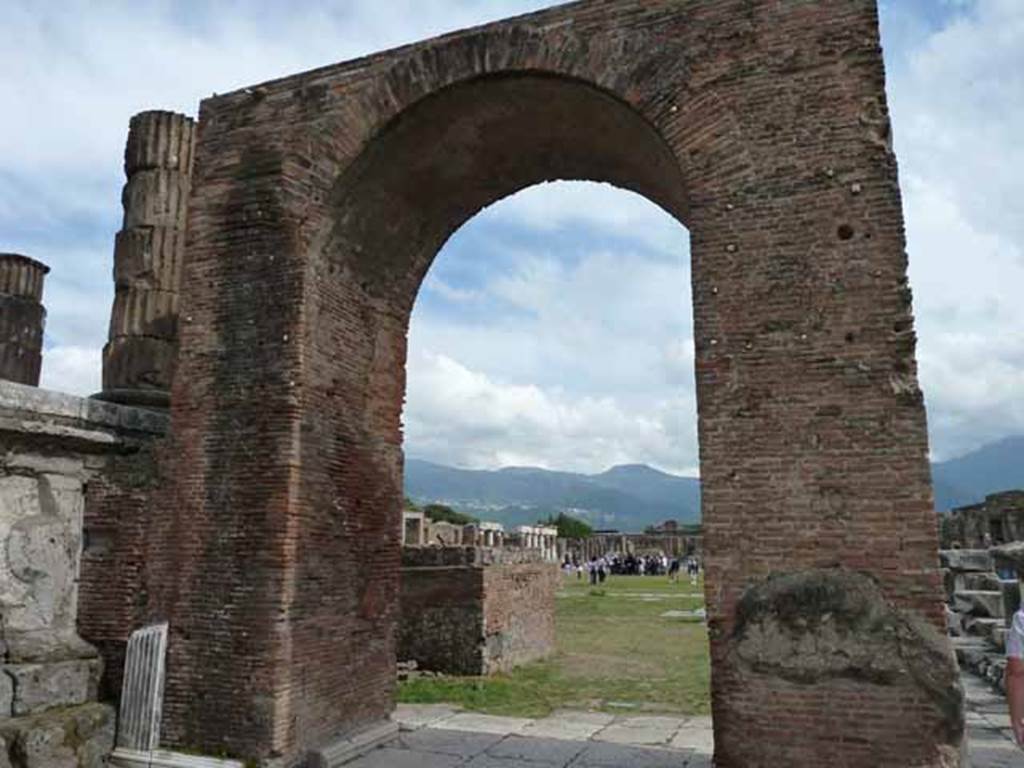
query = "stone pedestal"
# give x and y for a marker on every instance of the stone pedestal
(139, 358)
(21, 318)
(57, 449)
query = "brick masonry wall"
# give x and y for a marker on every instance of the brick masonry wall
(112, 587)
(441, 625)
(466, 612)
(763, 126)
(519, 614)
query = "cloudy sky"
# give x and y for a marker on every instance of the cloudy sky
(554, 329)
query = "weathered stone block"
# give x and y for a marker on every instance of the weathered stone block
(155, 198)
(142, 311)
(138, 363)
(981, 627)
(38, 687)
(40, 532)
(1011, 555)
(75, 737)
(977, 603)
(6, 695)
(966, 559)
(43, 745)
(149, 258)
(954, 623)
(973, 580)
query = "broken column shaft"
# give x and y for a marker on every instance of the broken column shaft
(139, 358)
(21, 318)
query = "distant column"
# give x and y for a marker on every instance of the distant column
(140, 356)
(22, 318)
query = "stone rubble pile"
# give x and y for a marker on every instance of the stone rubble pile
(979, 608)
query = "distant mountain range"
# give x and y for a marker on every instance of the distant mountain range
(998, 466)
(627, 498)
(633, 496)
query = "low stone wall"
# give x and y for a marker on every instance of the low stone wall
(476, 611)
(54, 451)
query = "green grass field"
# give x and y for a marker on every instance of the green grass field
(616, 651)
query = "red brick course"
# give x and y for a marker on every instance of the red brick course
(318, 204)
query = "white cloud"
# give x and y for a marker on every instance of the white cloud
(580, 357)
(958, 114)
(463, 417)
(548, 207)
(71, 369)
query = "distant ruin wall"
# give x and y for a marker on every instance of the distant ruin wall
(999, 519)
(469, 611)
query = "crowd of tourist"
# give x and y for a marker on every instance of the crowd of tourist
(597, 569)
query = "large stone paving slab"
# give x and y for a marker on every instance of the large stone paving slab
(569, 725)
(476, 723)
(389, 757)
(538, 750)
(608, 755)
(441, 741)
(700, 740)
(990, 742)
(641, 730)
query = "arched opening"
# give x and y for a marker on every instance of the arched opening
(456, 152)
(425, 175)
(550, 376)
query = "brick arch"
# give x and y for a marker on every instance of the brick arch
(761, 125)
(397, 203)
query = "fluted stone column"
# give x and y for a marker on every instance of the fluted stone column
(149, 251)
(22, 318)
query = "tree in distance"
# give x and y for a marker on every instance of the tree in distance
(568, 527)
(442, 513)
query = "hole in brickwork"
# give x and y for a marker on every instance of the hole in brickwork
(845, 232)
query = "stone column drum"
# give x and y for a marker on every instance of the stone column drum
(139, 358)
(22, 318)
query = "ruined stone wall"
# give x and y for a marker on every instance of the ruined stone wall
(997, 520)
(441, 624)
(53, 450)
(474, 611)
(319, 202)
(519, 614)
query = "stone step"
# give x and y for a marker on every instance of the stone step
(966, 560)
(985, 603)
(982, 627)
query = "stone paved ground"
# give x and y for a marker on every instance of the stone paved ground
(441, 736)
(988, 727)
